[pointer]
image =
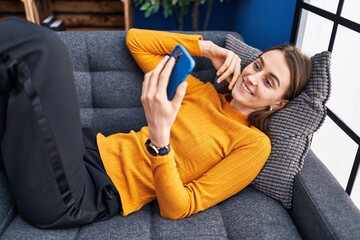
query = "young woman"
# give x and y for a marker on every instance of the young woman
(197, 150)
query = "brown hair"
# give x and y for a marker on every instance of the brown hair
(300, 67)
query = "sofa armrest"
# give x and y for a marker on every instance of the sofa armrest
(321, 209)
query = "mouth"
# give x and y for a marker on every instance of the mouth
(245, 88)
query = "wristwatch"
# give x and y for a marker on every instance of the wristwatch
(155, 151)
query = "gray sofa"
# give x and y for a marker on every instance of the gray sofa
(109, 86)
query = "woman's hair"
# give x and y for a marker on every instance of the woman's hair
(300, 67)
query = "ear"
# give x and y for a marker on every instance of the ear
(279, 105)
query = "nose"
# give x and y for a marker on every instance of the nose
(253, 80)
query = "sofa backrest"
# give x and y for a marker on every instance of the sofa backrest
(109, 81)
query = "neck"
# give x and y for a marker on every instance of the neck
(238, 108)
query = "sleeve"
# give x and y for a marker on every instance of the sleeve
(148, 47)
(228, 177)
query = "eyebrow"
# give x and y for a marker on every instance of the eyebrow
(271, 74)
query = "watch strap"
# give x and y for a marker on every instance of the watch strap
(156, 151)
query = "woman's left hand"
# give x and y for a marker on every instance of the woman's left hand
(160, 112)
(230, 68)
(226, 62)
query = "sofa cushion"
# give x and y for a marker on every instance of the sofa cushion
(108, 81)
(19, 229)
(261, 217)
(291, 128)
(248, 215)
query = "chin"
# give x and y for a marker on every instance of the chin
(238, 95)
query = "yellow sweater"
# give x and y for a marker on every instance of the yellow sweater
(214, 155)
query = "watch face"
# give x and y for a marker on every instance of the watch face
(154, 151)
(151, 150)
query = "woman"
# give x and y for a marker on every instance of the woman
(197, 150)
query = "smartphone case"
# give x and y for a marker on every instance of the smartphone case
(183, 67)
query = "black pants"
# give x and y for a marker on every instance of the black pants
(57, 180)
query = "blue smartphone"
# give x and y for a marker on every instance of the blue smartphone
(183, 66)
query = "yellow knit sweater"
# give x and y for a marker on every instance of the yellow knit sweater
(214, 155)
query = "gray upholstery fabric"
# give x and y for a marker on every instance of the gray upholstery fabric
(291, 128)
(106, 74)
(256, 221)
(320, 205)
(108, 81)
(19, 230)
(257, 217)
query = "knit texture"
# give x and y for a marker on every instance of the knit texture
(214, 153)
(291, 128)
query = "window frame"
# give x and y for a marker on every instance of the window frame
(337, 20)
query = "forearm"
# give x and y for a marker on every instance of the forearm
(172, 196)
(231, 174)
(206, 47)
(148, 46)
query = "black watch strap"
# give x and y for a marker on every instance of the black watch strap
(155, 151)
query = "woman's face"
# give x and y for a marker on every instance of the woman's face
(262, 84)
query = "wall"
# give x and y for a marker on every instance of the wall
(262, 23)
(220, 19)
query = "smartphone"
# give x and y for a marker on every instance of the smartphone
(184, 64)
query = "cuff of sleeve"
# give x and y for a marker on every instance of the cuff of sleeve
(161, 160)
(195, 49)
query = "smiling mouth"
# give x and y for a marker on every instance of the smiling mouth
(245, 88)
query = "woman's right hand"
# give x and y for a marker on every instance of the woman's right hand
(159, 111)
(226, 62)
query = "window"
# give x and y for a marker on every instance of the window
(334, 25)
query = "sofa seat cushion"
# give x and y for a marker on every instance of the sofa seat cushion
(19, 229)
(256, 217)
(248, 215)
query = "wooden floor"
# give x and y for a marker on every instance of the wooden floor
(79, 15)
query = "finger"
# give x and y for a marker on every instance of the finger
(161, 64)
(228, 73)
(232, 83)
(165, 75)
(226, 64)
(151, 86)
(154, 77)
(145, 84)
(236, 74)
(220, 78)
(179, 95)
(144, 93)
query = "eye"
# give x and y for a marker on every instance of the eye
(268, 83)
(256, 66)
